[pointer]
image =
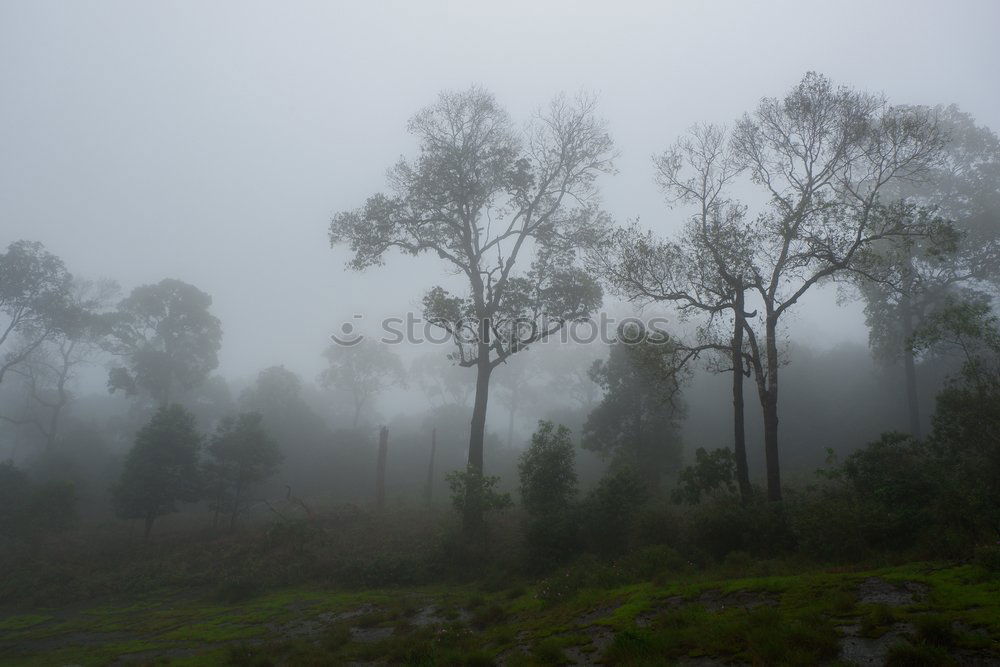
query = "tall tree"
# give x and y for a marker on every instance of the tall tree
(161, 469)
(34, 301)
(364, 370)
(167, 339)
(963, 187)
(824, 157)
(506, 210)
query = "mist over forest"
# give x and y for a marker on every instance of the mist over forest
(452, 333)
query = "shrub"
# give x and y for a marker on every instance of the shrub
(609, 510)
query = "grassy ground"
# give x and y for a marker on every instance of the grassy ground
(910, 615)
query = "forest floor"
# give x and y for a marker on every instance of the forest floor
(910, 615)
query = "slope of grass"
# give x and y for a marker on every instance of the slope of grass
(942, 613)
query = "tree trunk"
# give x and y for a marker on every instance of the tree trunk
(910, 366)
(473, 512)
(383, 450)
(429, 488)
(739, 426)
(769, 402)
(478, 433)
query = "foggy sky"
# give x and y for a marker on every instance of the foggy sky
(212, 141)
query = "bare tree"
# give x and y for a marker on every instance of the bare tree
(48, 370)
(506, 210)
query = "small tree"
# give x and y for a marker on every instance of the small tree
(546, 469)
(364, 370)
(167, 338)
(161, 469)
(548, 488)
(636, 424)
(242, 454)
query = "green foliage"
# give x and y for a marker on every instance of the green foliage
(546, 470)
(548, 487)
(29, 508)
(161, 469)
(472, 487)
(723, 526)
(712, 473)
(988, 556)
(609, 510)
(242, 453)
(167, 338)
(965, 438)
(637, 421)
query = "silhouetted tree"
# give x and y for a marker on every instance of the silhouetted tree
(167, 338)
(507, 210)
(242, 453)
(161, 469)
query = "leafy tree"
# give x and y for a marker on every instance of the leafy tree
(636, 423)
(505, 209)
(242, 453)
(966, 425)
(161, 469)
(824, 158)
(548, 480)
(548, 488)
(963, 187)
(34, 300)
(712, 472)
(468, 486)
(167, 338)
(364, 370)
(611, 508)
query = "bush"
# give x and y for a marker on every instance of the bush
(723, 525)
(548, 486)
(988, 556)
(610, 509)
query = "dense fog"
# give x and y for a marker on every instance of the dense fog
(436, 274)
